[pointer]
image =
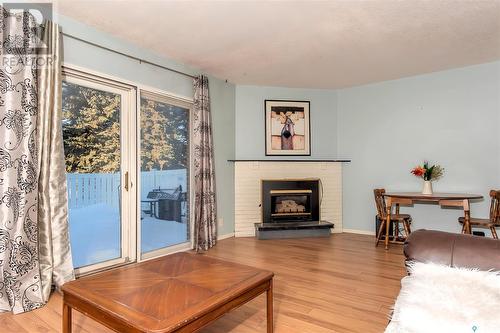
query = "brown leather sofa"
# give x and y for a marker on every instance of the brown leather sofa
(455, 250)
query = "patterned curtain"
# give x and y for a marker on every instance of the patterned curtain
(205, 206)
(34, 237)
(20, 285)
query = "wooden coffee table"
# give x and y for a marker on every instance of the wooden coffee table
(181, 292)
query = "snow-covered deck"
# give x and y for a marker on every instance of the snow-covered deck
(94, 215)
(95, 234)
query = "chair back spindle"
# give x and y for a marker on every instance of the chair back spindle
(380, 203)
(495, 207)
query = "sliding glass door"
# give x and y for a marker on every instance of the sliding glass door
(97, 151)
(164, 173)
(128, 171)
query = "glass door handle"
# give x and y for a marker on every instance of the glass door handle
(126, 181)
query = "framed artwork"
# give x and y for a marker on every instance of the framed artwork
(287, 128)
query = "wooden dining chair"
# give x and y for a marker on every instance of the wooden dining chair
(396, 219)
(491, 222)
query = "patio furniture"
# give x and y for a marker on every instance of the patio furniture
(152, 206)
(165, 203)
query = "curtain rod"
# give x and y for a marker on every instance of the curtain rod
(127, 55)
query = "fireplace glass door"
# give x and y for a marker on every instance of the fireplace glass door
(291, 205)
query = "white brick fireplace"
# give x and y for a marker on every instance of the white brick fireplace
(248, 176)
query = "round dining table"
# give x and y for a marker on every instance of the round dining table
(443, 199)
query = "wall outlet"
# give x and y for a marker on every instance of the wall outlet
(220, 222)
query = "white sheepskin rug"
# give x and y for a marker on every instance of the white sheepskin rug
(436, 298)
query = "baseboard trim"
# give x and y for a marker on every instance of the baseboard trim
(244, 234)
(221, 237)
(359, 232)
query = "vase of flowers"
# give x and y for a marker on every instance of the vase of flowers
(428, 174)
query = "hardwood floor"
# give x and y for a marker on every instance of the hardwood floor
(337, 284)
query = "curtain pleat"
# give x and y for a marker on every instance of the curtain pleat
(56, 266)
(205, 203)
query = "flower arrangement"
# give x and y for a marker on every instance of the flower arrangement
(428, 173)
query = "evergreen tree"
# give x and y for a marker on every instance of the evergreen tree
(164, 136)
(91, 131)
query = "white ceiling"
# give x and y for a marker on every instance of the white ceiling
(314, 44)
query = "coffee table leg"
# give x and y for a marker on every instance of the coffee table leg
(66, 318)
(270, 322)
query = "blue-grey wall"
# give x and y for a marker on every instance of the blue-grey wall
(250, 139)
(450, 117)
(222, 94)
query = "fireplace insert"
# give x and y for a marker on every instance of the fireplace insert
(290, 201)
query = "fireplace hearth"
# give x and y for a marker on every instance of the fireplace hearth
(291, 209)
